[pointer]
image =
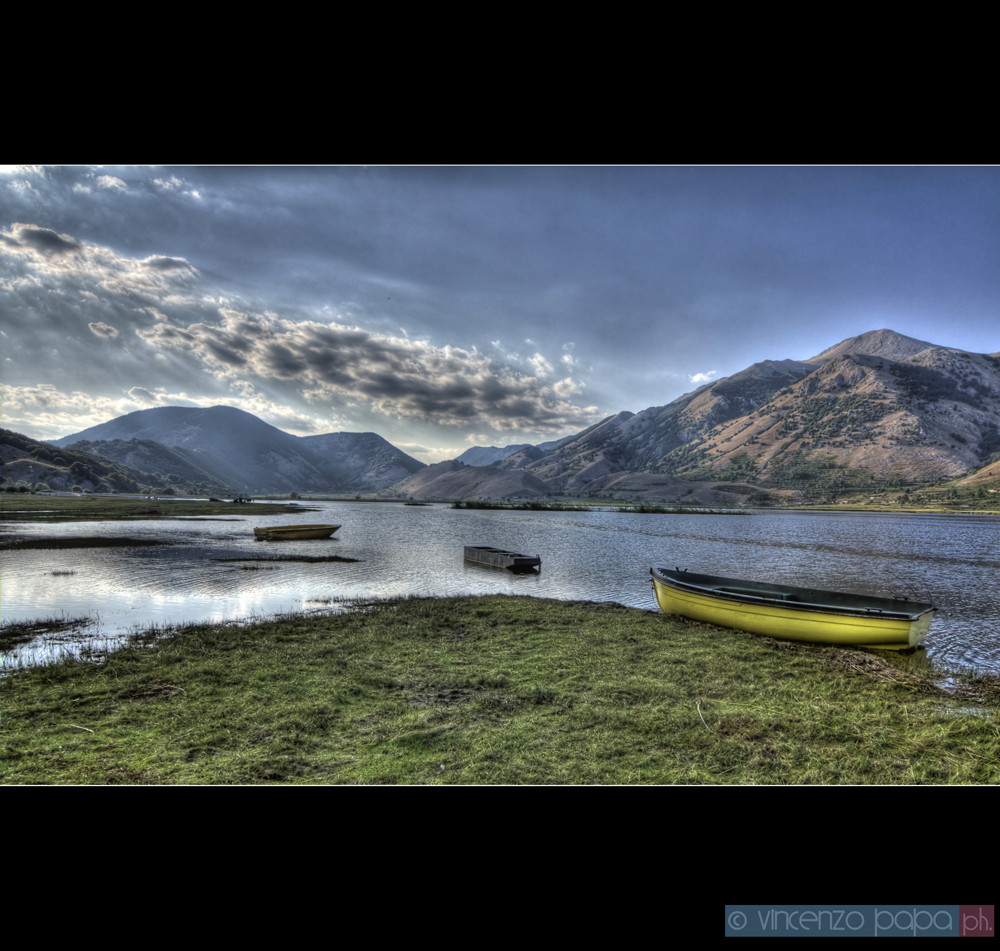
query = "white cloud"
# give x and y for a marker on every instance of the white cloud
(700, 378)
(569, 389)
(540, 365)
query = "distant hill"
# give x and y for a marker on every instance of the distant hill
(157, 471)
(252, 456)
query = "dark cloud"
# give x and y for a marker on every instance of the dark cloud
(44, 240)
(167, 264)
(100, 329)
(166, 336)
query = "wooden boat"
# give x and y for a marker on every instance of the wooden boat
(498, 558)
(282, 532)
(790, 613)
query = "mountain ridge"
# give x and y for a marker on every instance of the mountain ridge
(253, 456)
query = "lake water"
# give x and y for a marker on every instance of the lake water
(416, 550)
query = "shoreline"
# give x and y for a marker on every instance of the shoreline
(48, 508)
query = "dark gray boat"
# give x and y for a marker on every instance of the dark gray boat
(498, 558)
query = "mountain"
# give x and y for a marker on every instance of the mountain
(882, 403)
(249, 455)
(876, 409)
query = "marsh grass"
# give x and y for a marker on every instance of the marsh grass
(489, 690)
(63, 508)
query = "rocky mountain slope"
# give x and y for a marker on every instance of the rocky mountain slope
(874, 409)
(455, 480)
(251, 456)
(894, 407)
(489, 455)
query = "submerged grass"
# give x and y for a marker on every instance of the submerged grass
(80, 541)
(490, 689)
(15, 633)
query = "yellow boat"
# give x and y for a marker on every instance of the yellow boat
(282, 532)
(793, 614)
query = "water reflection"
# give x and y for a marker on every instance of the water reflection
(600, 556)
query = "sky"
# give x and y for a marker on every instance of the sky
(450, 306)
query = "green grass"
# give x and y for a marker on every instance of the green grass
(488, 690)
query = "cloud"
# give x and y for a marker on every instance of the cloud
(568, 389)
(394, 375)
(160, 263)
(540, 365)
(43, 253)
(700, 378)
(43, 240)
(141, 395)
(65, 296)
(111, 181)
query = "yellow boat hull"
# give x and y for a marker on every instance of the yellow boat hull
(886, 629)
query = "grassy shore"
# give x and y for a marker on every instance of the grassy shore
(490, 689)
